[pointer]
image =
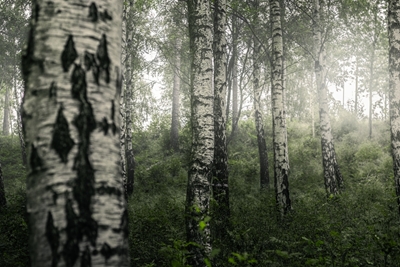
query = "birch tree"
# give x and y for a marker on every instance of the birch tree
(202, 120)
(72, 74)
(394, 89)
(128, 99)
(281, 157)
(262, 147)
(6, 114)
(332, 177)
(176, 97)
(220, 183)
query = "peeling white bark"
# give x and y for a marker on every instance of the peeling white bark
(202, 119)
(72, 75)
(281, 157)
(332, 176)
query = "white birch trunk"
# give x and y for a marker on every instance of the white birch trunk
(202, 119)
(332, 176)
(394, 89)
(72, 73)
(221, 212)
(281, 157)
(128, 97)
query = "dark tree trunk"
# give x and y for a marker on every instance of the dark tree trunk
(175, 99)
(3, 201)
(202, 120)
(394, 90)
(262, 147)
(6, 117)
(220, 184)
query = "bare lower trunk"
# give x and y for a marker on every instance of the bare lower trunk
(262, 147)
(202, 119)
(394, 89)
(17, 108)
(356, 91)
(129, 163)
(6, 117)
(75, 199)
(175, 99)
(3, 201)
(281, 157)
(220, 185)
(332, 176)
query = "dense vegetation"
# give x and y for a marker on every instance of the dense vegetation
(359, 227)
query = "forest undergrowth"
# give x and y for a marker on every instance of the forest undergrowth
(360, 227)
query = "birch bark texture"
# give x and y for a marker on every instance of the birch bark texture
(394, 89)
(220, 183)
(332, 176)
(281, 157)
(257, 90)
(72, 73)
(128, 98)
(202, 120)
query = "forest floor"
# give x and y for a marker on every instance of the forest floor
(360, 227)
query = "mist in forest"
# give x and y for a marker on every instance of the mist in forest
(200, 133)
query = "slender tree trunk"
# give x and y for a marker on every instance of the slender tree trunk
(370, 85)
(3, 201)
(6, 117)
(128, 97)
(356, 91)
(312, 104)
(220, 184)
(202, 120)
(17, 108)
(262, 147)
(122, 104)
(175, 98)
(72, 72)
(281, 157)
(235, 113)
(332, 176)
(394, 89)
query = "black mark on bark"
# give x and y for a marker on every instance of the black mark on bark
(53, 90)
(53, 237)
(69, 54)
(83, 188)
(86, 259)
(118, 81)
(103, 58)
(113, 126)
(107, 251)
(35, 160)
(124, 223)
(71, 247)
(105, 16)
(90, 63)
(104, 126)
(93, 15)
(62, 143)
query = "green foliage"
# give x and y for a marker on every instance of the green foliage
(357, 228)
(13, 221)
